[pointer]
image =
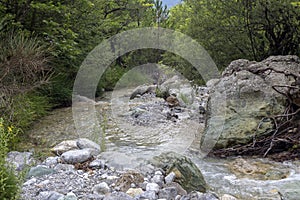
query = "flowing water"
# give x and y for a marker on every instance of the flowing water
(129, 145)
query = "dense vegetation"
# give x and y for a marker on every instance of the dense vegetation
(42, 43)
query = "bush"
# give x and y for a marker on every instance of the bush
(9, 183)
(28, 108)
(24, 68)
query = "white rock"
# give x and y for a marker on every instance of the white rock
(51, 161)
(64, 146)
(228, 197)
(101, 188)
(30, 182)
(134, 191)
(170, 177)
(152, 187)
(158, 179)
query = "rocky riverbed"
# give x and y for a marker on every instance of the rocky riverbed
(146, 147)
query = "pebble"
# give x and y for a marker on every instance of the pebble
(168, 193)
(97, 164)
(228, 197)
(134, 191)
(170, 177)
(152, 187)
(101, 188)
(102, 183)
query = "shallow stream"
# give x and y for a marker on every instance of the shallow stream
(130, 145)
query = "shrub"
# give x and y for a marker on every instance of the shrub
(9, 183)
(23, 68)
(28, 108)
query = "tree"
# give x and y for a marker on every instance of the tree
(251, 29)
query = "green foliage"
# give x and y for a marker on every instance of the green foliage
(23, 63)
(59, 91)
(251, 29)
(23, 68)
(9, 183)
(183, 67)
(27, 108)
(110, 78)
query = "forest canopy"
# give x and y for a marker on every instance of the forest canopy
(57, 35)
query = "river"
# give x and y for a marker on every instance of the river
(129, 144)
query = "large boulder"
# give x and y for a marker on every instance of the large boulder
(187, 174)
(243, 100)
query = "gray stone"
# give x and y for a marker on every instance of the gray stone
(51, 161)
(186, 172)
(141, 90)
(178, 197)
(241, 99)
(152, 187)
(64, 146)
(64, 167)
(77, 156)
(84, 143)
(150, 195)
(158, 179)
(39, 171)
(83, 99)
(19, 159)
(208, 196)
(50, 195)
(98, 164)
(291, 190)
(181, 88)
(134, 192)
(101, 188)
(95, 196)
(69, 196)
(199, 196)
(118, 196)
(228, 197)
(179, 189)
(30, 182)
(168, 193)
(170, 177)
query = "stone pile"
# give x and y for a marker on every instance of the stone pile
(80, 174)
